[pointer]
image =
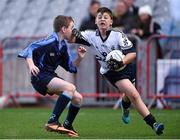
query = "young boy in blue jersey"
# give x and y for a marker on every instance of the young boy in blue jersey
(43, 57)
(103, 41)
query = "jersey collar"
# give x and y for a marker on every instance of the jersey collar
(59, 40)
(107, 34)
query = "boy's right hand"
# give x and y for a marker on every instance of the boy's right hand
(34, 70)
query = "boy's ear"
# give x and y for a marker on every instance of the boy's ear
(111, 22)
(95, 21)
(63, 29)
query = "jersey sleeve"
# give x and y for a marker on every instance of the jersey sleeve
(126, 44)
(86, 38)
(86, 34)
(28, 51)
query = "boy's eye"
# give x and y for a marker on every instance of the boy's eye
(100, 17)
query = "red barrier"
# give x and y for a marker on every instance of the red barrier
(170, 46)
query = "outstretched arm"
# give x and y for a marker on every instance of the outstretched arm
(78, 38)
(81, 53)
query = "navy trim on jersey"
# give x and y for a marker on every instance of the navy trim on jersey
(130, 50)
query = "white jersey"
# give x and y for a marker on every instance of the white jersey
(101, 47)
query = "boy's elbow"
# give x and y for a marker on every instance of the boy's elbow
(134, 54)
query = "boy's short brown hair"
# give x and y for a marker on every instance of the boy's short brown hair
(103, 10)
(61, 21)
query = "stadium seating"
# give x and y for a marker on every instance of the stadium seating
(34, 17)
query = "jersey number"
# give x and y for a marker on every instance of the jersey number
(104, 54)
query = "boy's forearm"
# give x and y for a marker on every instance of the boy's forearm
(129, 58)
(29, 62)
(77, 61)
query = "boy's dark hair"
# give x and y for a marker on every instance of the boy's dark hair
(61, 21)
(103, 10)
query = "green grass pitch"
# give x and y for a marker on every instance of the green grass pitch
(91, 123)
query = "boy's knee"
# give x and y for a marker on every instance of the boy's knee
(77, 99)
(72, 88)
(133, 96)
(80, 98)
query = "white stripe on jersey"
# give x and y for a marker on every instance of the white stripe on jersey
(115, 41)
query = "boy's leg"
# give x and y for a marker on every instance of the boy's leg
(73, 111)
(58, 85)
(127, 87)
(151, 121)
(59, 107)
(125, 105)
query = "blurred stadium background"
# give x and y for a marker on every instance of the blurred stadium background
(23, 21)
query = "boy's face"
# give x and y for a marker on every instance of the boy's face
(68, 31)
(103, 21)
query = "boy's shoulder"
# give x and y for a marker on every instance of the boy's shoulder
(89, 33)
(117, 30)
(47, 40)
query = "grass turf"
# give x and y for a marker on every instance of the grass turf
(91, 123)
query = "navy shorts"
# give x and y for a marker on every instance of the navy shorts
(129, 72)
(41, 81)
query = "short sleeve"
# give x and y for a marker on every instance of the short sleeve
(126, 44)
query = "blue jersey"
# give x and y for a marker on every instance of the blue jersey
(48, 53)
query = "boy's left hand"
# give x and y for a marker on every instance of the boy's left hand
(81, 52)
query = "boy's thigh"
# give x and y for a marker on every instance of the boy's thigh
(126, 86)
(58, 85)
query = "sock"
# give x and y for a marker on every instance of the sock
(59, 107)
(73, 111)
(150, 120)
(125, 104)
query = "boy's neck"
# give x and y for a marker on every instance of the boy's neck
(103, 33)
(61, 36)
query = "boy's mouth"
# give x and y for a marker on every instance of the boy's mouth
(102, 24)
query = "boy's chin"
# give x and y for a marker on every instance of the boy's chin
(103, 28)
(70, 39)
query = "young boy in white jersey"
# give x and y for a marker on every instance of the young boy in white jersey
(103, 41)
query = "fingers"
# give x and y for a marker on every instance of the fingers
(82, 49)
(114, 64)
(35, 71)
